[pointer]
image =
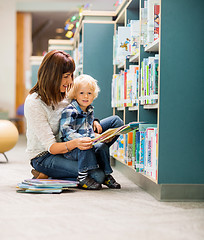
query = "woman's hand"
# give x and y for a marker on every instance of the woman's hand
(97, 127)
(84, 143)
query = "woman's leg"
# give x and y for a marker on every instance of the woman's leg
(56, 166)
(111, 122)
(59, 167)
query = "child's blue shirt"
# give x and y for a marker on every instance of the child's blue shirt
(75, 123)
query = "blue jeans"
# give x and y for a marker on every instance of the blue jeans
(111, 122)
(90, 159)
(57, 166)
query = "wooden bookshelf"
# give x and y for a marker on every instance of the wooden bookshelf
(134, 58)
(153, 47)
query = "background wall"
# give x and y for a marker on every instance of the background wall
(8, 55)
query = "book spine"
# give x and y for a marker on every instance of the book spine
(129, 148)
(125, 88)
(156, 21)
(142, 152)
(134, 149)
(137, 151)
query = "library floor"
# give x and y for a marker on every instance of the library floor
(129, 213)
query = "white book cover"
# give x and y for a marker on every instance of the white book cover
(124, 38)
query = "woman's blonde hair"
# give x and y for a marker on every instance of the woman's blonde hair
(82, 80)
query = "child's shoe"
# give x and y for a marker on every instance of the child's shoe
(89, 184)
(111, 182)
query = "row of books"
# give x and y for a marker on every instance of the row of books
(149, 80)
(125, 87)
(139, 149)
(128, 38)
(129, 90)
(150, 21)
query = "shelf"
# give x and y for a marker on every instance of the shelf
(134, 58)
(134, 108)
(121, 161)
(120, 108)
(153, 47)
(131, 167)
(121, 65)
(151, 106)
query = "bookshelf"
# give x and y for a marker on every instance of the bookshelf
(178, 112)
(179, 141)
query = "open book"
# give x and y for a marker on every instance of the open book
(111, 132)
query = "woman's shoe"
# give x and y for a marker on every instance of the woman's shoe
(89, 184)
(111, 182)
(38, 175)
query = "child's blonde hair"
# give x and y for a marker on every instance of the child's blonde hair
(84, 79)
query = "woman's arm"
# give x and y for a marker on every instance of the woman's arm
(64, 147)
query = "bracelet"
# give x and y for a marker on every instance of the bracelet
(66, 147)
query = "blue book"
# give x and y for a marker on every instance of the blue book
(137, 154)
(142, 151)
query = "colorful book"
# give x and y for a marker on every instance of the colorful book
(110, 133)
(156, 21)
(133, 147)
(45, 185)
(137, 154)
(129, 148)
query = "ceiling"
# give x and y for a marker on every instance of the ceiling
(48, 15)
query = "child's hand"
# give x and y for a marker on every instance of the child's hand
(84, 143)
(97, 127)
(96, 135)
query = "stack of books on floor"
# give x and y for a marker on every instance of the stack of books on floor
(45, 185)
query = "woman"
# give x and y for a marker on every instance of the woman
(43, 107)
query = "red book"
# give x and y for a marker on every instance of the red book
(156, 21)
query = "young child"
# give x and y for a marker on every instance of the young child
(77, 122)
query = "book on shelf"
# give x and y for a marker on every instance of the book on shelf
(140, 149)
(156, 21)
(125, 88)
(150, 22)
(110, 133)
(134, 36)
(124, 37)
(45, 185)
(133, 147)
(129, 148)
(149, 80)
(150, 19)
(143, 37)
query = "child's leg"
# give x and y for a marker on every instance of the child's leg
(103, 158)
(86, 162)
